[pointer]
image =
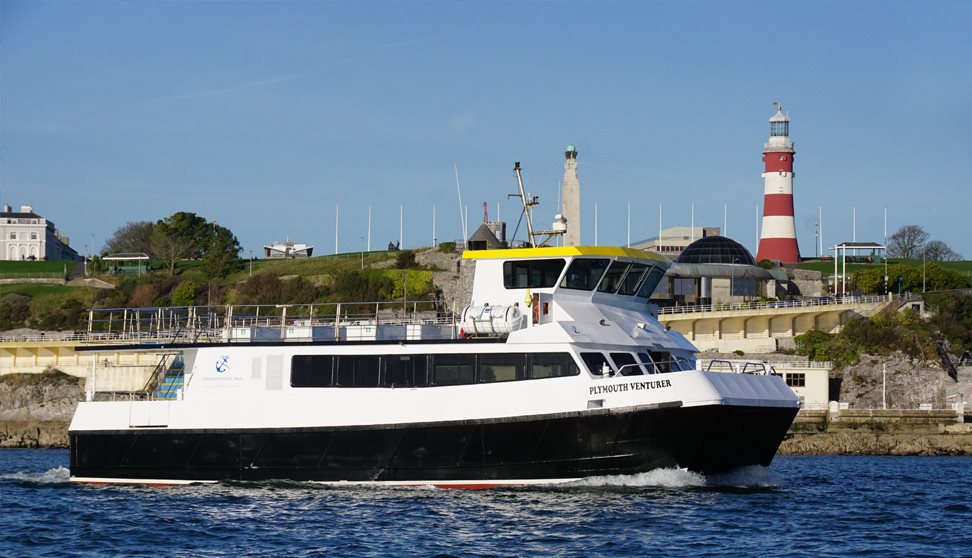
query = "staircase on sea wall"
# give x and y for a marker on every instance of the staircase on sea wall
(172, 382)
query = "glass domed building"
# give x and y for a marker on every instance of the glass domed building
(716, 250)
(713, 270)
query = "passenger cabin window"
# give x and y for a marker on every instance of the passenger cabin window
(596, 362)
(405, 371)
(453, 370)
(552, 365)
(532, 274)
(357, 371)
(311, 371)
(626, 364)
(584, 274)
(502, 367)
(392, 371)
(612, 279)
(651, 281)
(629, 285)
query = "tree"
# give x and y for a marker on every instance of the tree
(132, 237)
(187, 229)
(907, 242)
(938, 251)
(169, 247)
(221, 254)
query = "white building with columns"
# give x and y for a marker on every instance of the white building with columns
(28, 236)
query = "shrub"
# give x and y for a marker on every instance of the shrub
(447, 247)
(185, 294)
(405, 259)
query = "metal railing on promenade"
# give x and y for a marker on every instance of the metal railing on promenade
(803, 303)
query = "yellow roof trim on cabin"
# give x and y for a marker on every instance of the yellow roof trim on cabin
(563, 251)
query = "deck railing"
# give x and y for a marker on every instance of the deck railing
(246, 323)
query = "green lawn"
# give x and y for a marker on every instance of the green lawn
(319, 265)
(827, 267)
(50, 266)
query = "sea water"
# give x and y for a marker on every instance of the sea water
(800, 506)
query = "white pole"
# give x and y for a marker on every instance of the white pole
(433, 226)
(659, 226)
(843, 271)
(885, 225)
(692, 228)
(595, 223)
(725, 219)
(465, 225)
(629, 225)
(854, 224)
(401, 225)
(820, 229)
(884, 386)
(462, 218)
(835, 270)
(337, 218)
(369, 228)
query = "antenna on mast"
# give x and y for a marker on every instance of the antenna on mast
(529, 202)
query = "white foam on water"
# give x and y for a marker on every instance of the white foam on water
(51, 476)
(663, 478)
(751, 476)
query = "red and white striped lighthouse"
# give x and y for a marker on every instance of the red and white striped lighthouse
(778, 238)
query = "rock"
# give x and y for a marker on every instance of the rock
(36, 409)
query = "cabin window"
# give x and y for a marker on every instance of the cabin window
(683, 363)
(612, 279)
(629, 285)
(595, 363)
(626, 363)
(311, 371)
(532, 274)
(454, 370)
(651, 281)
(584, 274)
(663, 361)
(405, 371)
(502, 367)
(357, 371)
(646, 361)
(552, 365)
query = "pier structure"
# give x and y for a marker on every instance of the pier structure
(777, 241)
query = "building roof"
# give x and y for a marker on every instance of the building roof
(19, 215)
(716, 250)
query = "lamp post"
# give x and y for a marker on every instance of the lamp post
(251, 263)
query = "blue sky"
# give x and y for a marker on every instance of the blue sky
(266, 115)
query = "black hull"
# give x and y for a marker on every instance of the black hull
(705, 439)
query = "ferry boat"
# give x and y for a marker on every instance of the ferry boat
(558, 370)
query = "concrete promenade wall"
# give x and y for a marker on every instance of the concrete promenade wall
(879, 432)
(113, 370)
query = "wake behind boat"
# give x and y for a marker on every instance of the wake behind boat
(557, 370)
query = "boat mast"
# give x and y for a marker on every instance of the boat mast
(528, 204)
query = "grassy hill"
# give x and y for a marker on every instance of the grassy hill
(369, 276)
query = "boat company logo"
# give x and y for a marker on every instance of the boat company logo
(222, 364)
